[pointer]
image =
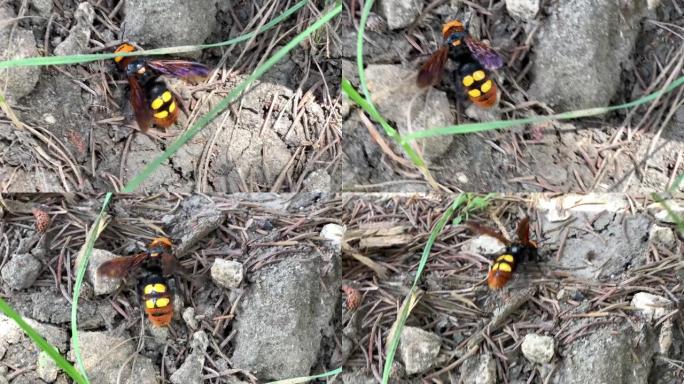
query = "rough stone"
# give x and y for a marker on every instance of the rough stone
(397, 98)
(44, 7)
(479, 370)
(595, 45)
(335, 234)
(615, 354)
(285, 314)
(103, 365)
(400, 13)
(19, 81)
(79, 35)
(185, 22)
(663, 236)
(652, 307)
(538, 348)
(21, 271)
(523, 9)
(227, 273)
(418, 349)
(484, 245)
(102, 285)
(317, 181)
(195, 219)
(190, 372)
(10, 333)
(47, 368)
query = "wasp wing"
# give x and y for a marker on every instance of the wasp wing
(186, 70)
(524, 231)
(481, 229)
(143, 114)
(121, 266)
(484, 54)
(432, 69)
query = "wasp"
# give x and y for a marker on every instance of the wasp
(151, 98)
(474, 60)
(157, 263)
(501, 270)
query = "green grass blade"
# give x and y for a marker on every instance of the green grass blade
(368, 4)
(351, 93)
(436, 231)
(76, 59)
(82, 265)
(226, 101)
(675, 217)
(307, 378)
(492, 125)
(42, 343)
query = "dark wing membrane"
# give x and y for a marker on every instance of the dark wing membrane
(143, 113)
(481, 229)
(186, 70)
(524, 231)
(122, 266)
(169, 263)
(431, 71)
(484, 54)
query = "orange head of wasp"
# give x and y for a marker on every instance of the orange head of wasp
(453, 32)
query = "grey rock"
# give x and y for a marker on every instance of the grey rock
(189, 318)
(651, 306)
(418, 349)
(523, 9)
(19, 81)
(47, 369)
(335, 234)
(227, 273)
(196, 218)
(102, 285)
(596, 37)
(184, 22)
(397, 97)
(190, 372)
(621, 243)
(616, 354)
(479, 370)
(356, 377)
(10, 333)
(538, 348)
(663, 236)
(52, 307)
(79, 34)
(316, 181)
(104, 355)
(44, 7)
(21, 271)
(400, 13)
(285, 314)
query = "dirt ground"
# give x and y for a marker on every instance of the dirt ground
(596, 253)
(79, 134)
(634, 150)
(221, 335)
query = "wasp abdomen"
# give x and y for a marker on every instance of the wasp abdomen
(157, 299)
(501, 271)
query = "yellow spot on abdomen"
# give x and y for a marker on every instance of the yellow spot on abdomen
(172, 107)
(166, 96)
(486, 86)
(479, 75)
(504, 267)
(161, 115)
(162, 302)
(152, 288)
(149, 303)
(474, 93)
(506, 258)
(456, 43)
(157, 103)
(468, 81)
